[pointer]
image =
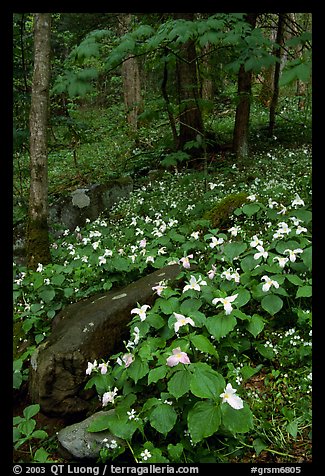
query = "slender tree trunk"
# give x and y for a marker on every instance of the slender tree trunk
(131, 80)
(38, 250)
(191, 123)
(168, 106)
(278, 54)
(241, 129)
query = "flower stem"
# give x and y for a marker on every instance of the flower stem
(131, 449)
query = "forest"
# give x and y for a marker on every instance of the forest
(162, 238)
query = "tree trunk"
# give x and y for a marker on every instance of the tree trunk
(277, 52)
(190, 118)
(38, 249)
(241, 129)
(131, 79)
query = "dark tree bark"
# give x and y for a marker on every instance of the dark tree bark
(241, 129)
(278, 54)
(131, 79)
(38, 249)
(190, 118)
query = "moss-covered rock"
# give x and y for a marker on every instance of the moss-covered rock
(220, 214)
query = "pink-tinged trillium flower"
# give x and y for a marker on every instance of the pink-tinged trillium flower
(141, 311)
(182, 321)
(228, 396)
(226, 302)
(127, 359)
(159, 288)
(212, 272)
(293, 254)
(103, 368)
(268, 283)
(178, 357)
(91, 367)
(195, 284)
(108, 397)
(143, 243)
(261, 252)
(185, 261)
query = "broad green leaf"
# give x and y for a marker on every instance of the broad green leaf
(219, 326)
(248, 263)
(259, 445)
(266, 352)
(138, 369)
(304, 291)
(255, 325)
(157, 374)
(231, 250)
(251, 208)
(17, 380)
(31, 411)
(179, 383)
(190, 305)
(27, 427)
(58, 279)
(272, 303)
(294, 279)
(207, 384)
(41, 455)
(247, 371)
(175, 452)
(307, 257)
(168, 306)
(47, 294)
(203, 420)
(202, 343)
(41, 434)
(242, 298)
(292, 428)
(236, 421)
(163, 418)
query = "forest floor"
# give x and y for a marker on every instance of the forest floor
(282, 164)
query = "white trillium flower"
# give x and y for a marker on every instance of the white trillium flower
(195, 284)
(91, 367)
(228, 396)
(226, 302)
(293, 254)
(281, 260)
(141, 311)
(216, 241)
(261, 252)
(182, 321)
(268, 283)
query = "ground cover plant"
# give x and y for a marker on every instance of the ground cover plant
(223, 357)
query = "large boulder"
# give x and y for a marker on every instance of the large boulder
(76, 442)
(88, 203)
(93, 328)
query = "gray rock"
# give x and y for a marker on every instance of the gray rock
(78, 443)
(73, 210)
(93, 328)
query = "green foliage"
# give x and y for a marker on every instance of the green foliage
(251, 225)
(220, 214)
(24, 427)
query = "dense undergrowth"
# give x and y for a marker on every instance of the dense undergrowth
(238, 318)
